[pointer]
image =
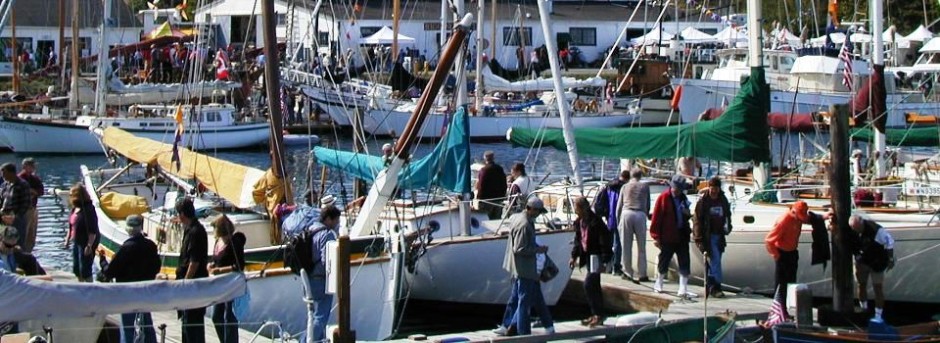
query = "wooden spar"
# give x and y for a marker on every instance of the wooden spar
(343, 334)
(73, 91)
(843, 291)
(396, 17)
(272, 89)
(492, 27)
(417, 119)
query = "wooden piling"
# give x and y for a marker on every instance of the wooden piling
(344, 332)
(842, 280)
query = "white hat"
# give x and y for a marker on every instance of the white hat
(327, 200)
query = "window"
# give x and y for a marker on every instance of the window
(366, 31)
(512, 35)
(281, 19)
(584, 36)
(23, 44)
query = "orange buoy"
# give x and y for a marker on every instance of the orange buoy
(676, 96)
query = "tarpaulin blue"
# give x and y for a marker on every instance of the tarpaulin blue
(447, 166)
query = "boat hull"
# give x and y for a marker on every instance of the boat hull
(77, 330)
(36, 136)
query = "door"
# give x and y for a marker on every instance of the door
(42, 51)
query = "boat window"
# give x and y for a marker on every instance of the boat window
(775, 63)
(748, 219)
(115, 124)
(786, 63)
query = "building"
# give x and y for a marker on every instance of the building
(592, 26)
(37, 28)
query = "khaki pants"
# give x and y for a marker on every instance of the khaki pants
(32, 221)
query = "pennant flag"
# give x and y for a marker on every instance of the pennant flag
(178, 138)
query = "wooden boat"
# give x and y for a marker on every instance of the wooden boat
(923, 332)
(720, 329)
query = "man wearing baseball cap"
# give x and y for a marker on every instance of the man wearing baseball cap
(781, 243)
(136, 260)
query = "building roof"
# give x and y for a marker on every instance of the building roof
(427, 10)
(45, 13)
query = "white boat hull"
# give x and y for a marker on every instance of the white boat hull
(392, 123)
(470, 270)
(34, 136)
(76, 330)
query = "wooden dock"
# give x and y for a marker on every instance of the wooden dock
(174, 330)
(622, 296)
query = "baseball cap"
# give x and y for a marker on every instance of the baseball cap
(134, 221)
(800, 210)
(536, 204)
(679, 182)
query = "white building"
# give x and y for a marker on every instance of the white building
(37, 28)
(591, 25)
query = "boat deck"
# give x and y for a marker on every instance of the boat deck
(624, 296)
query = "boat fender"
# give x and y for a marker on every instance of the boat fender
(676, 97)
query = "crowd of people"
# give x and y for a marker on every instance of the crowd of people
(623, 213)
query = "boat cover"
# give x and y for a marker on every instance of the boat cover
(741, 135)
(117, 205)
(231, 181)
(447, 166)
(26, 298)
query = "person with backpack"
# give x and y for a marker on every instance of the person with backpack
(633, 209)
(321, 233)
(605, 205)
(228, 256)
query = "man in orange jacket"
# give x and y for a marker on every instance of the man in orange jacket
(782, 241)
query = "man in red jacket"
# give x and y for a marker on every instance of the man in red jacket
(670, 231)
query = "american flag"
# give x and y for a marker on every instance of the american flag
(846, 56)
(777, 314)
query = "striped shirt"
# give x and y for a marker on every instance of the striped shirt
(16, 196)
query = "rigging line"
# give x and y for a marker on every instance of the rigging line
(658, 21)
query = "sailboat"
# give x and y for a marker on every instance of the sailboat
(218, 126)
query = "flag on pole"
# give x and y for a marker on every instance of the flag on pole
(178, 138)
(724, 102)
(777, 314)
(845, 55)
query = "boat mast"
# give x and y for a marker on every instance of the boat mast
(16, 55)
(754, 59)
(272, 89)
(385, 183)
(877, 60)
(73, 91)
(101, 75)
(60, 53)
(396, 17)
(561, 101)
(478, 89)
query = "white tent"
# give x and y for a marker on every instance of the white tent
(385, 36)
(921, 34)
(655, 36)
(730, 34)
(861, 38)
(784, 35)
(692, 35)
(837, 38)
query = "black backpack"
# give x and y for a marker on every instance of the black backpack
(602, 202)
(298, 254)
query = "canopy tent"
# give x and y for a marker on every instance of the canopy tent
(932, 46)
(836, 37)
(385, 35)
(655, 36)
(920, 34)
(730, 35)
(447, 166)
(740, 135)
(165, 30)
(692, 35)
(784, 35)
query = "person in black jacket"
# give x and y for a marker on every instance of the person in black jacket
(83, 224)
(136, 260)
(874, 255)
(710, 224)
(491, 186)
(592, 247)
(229, 255)
(14, 260)
(194, 255)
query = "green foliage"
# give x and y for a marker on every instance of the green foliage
(137, 5)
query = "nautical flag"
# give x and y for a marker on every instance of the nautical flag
(777, 314)
(724, 102)
(610, 94)
(178, 138)
(846, 57)
(221, 73)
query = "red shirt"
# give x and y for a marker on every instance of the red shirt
(785, 235)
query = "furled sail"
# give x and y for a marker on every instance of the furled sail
(740, 135)
(447, 166)
(493, 82)
(25, 298)
(231, 181)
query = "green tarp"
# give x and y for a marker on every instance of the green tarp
(920, 136)
(740, 135)
(447, 166)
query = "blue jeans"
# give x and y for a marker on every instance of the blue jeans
(81, 264)
(322, 304)
(714, 262)
(525, 295)
(618, 250)
(128, 331)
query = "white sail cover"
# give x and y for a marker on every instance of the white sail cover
(25, 298)
(152, 93)
(493, 83)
